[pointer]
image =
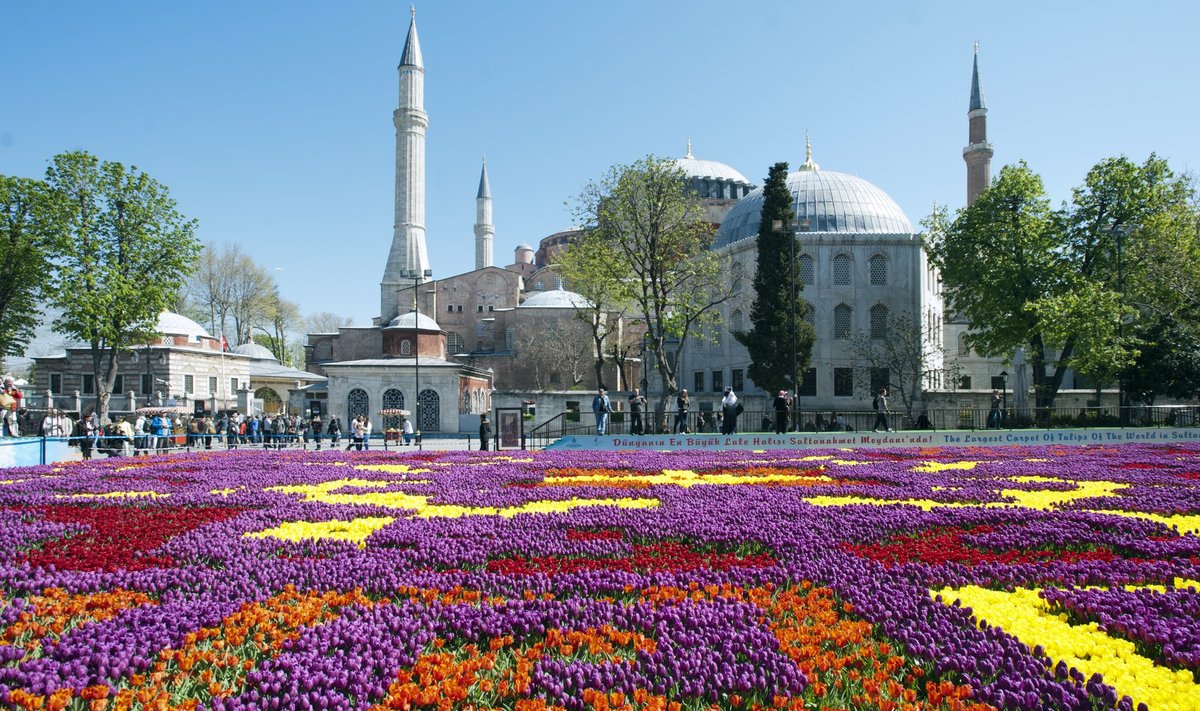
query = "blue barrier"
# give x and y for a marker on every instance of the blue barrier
(32, 451)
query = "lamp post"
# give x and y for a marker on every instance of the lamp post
(1003, 396)
(417, 277)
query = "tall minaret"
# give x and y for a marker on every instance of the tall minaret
(409, 256)
(978, 153)
(483, 222)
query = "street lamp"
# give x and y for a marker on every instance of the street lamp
(417, 277)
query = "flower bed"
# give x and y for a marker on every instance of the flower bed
(1022, 578)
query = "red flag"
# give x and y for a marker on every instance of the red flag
(224, 343)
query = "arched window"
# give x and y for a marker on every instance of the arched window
(539, 286)
(737, 273)
(807, 272)
(879, 321)
(736, 321)
(841, 270)
(510, 339)
(393, 399)
(808, 311)
(406, 347)
(357, 403)
(878, 266)
(842, 314)
(429, 411)
(964, 349)
(559, 283)
(455, 343)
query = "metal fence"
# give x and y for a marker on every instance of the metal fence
(573, 422)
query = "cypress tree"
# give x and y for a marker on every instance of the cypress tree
(770, 338)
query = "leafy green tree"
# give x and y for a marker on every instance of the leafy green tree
(658, 242)
(584, 267)
(777, 314)
(1168, 363)
(121, 255)
(1055, 281)
(27, 224)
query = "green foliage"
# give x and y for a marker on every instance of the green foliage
(119, 259)
(777, 314)
(1168, 363)
(585, 268)
(1067, 279)
(657, 241)
(27, 225)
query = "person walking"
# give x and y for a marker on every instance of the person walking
(485, 433)
(637, 401)
(335, 431)
(995, 412)
(366, 432)
(782, 404)
(601, 408)
(682, 405)
(730, 409)
(881, 410)
(315, 430)
(406, 428)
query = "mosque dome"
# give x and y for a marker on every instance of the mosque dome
(405, 320)
(829, 201)
(556, 299)
(711, 180)
(173, 324)
(255, 351)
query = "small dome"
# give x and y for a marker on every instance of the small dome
(255, 351)
(556, 299)
(173, 324)
(525, 245)
(831, 202)
(709, 169)
(405, 320)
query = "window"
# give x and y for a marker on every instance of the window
(118, 382)
(738, 275)
(559, 283)
(393, 399)
(406, 347)
(964, 349)
(449, 308)
(964, 382)
(454, 343)
(718, 381)
(808, 311)
(841, 321)
(479, 308)
(698, 381)
(212, 385)
(539, 286)
(357, 403)
(879, 321)
(555, 379)
(878, 267)
(89, 384)
(843, 382)
(233, 383)
(56, 382)
(998, 383)
(460, 308)
(491, 307)
(807, 273)
(841, 270)
(879, 379)
(808, 383)
(189, 384)
(736, 321)
(147, 386)
(737, 379)
(510, 339)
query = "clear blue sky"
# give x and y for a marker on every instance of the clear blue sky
(271, 121)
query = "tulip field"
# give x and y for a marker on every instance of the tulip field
(984, 578)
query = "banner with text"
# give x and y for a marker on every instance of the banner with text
(802, 440)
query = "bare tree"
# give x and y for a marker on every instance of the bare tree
(327, 322)
(560, 350)
(904, 356)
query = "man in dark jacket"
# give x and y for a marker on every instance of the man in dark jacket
(485, 433)
(782, 404)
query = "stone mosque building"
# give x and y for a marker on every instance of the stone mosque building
(472, 334)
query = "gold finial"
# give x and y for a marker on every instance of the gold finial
(689, 148)
(808, 161)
